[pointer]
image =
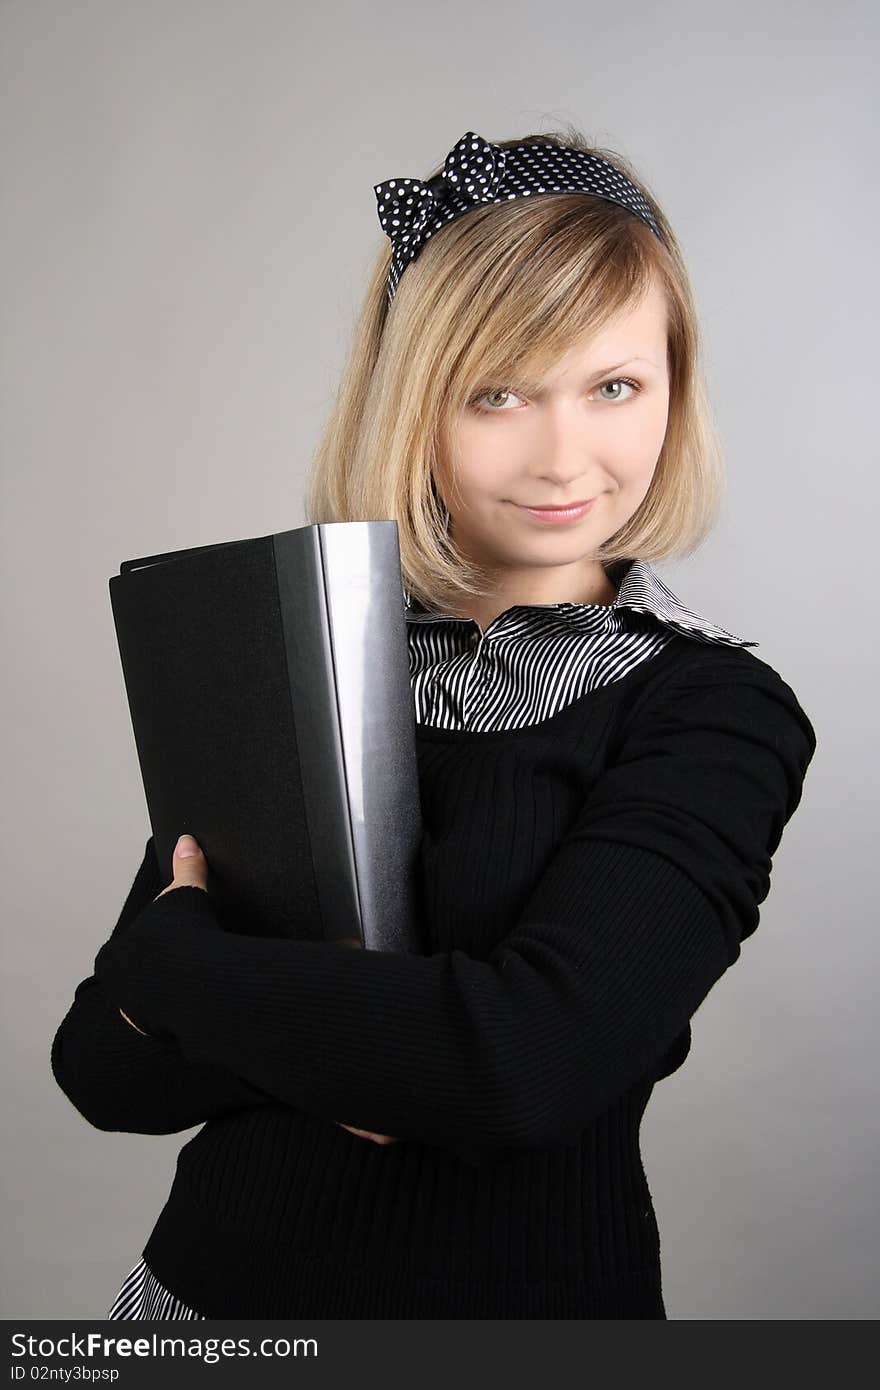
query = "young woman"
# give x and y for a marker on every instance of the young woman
(604, 773)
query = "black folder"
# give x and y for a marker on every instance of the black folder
(270, 699)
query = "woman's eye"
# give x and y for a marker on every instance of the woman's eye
(500, 391)
(486, 395)
(621, 381)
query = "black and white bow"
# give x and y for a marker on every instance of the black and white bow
(473, 170)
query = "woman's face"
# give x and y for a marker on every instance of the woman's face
(585, 434)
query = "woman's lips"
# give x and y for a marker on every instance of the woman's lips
(557, 514)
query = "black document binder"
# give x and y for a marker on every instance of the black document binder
(270, 699)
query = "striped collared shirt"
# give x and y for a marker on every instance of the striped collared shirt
(533, 660)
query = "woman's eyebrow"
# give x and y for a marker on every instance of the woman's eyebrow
(603, 371)
(535, 386)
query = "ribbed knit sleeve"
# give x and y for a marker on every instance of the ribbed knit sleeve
(640, 910)
(119, 1079)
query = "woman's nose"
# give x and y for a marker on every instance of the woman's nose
(562, 452)
(561, 463)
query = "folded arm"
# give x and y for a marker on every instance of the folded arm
(119, 1079)
(643, 906)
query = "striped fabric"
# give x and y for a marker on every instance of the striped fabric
(142, 1296)
(529, 663)
(534, 660)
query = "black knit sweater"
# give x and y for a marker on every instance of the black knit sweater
(584, 881)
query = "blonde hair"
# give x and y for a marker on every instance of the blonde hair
(507, 289)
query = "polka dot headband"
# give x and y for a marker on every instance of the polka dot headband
(476, 172)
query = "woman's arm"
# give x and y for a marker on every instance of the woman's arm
(642, 908)
(119, 1079)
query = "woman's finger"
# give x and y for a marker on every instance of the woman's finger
(367, 1134)
(134, 1025)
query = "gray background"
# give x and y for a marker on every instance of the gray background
(187, 219)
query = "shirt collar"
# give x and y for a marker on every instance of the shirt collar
(641, 590)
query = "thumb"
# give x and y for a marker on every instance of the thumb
(190, 865)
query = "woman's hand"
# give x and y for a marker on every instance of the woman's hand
(190, 868)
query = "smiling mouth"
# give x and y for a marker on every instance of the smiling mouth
(574, 512)
(563, 506)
